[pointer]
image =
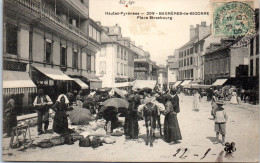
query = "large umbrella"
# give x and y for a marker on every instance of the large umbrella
(119, 92)
(80, 116)
(116, 102)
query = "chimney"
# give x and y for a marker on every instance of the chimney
(192, 31)
(203, 24)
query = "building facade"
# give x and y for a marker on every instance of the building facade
(172, 69)
(50, 40)
(190, 54)
(115, 61)
(144, 67)
(222, 60)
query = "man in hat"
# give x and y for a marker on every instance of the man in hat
(220, 121)
(42, 103)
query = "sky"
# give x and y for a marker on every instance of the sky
(159, 37)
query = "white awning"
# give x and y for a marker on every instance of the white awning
(124, 84)
(17, 82)
(219, 82)
(54, 74)
(185, 82)
(176, 84)
(80, 83)
(140, 84)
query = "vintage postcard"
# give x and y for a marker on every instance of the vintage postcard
(130, 80)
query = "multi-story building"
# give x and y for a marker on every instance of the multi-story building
(198, 58)
(172, 69)
(144, 68)
(115, 61)
(222, 60)
(189, 52)
(254, 50)
(48, 40)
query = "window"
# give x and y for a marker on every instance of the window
(11, 39)
(216, 66)
(88, 62)
(63, 55)
(191, 73)
(201, 47)
(75, 59)
(90, 31)
(102, 69)
(188, 52)
(228, 65)
(252, 47)
(122, 53)
(118, 52)
(210, 67)
(125, 54)
(118, 68)
(184, 53)
(94, 34)
(48, 51)
(191, 50)
(221, 65)
(191, 60)
(196, 48)
(251, 67)
(257, 66)
(188, 61)
(184, 62)
(122, 69)
(257, 44)
(98, 36)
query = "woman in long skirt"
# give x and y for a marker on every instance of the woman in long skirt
(171, 126)
(131, 119)
(60, 123)
(196, 101)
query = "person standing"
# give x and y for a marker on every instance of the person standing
(214, 104)
(220, 121)
(233, 99)
(10, 116)
(131, 119)
(42, 103)
(171, 126)
(60, 123)
(196, 101)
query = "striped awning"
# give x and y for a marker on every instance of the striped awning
(219, 82)
(185, 82)
(16, 82)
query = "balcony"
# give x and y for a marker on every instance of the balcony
(34, 9)
(141, 69)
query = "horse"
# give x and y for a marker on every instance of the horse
(151, 116)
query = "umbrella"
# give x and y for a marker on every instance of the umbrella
(116, 102)
(80, 116)
(119, 92)
(146, 89)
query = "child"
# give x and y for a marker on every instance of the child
(220, 120)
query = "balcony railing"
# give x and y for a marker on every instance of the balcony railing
(35, 7)
(141, 69)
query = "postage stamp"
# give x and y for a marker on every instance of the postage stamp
(232, 18)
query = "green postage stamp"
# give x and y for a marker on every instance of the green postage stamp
(232, 18)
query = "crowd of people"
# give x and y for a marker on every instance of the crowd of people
(168, 102)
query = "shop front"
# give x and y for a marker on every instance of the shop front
(19, 84)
